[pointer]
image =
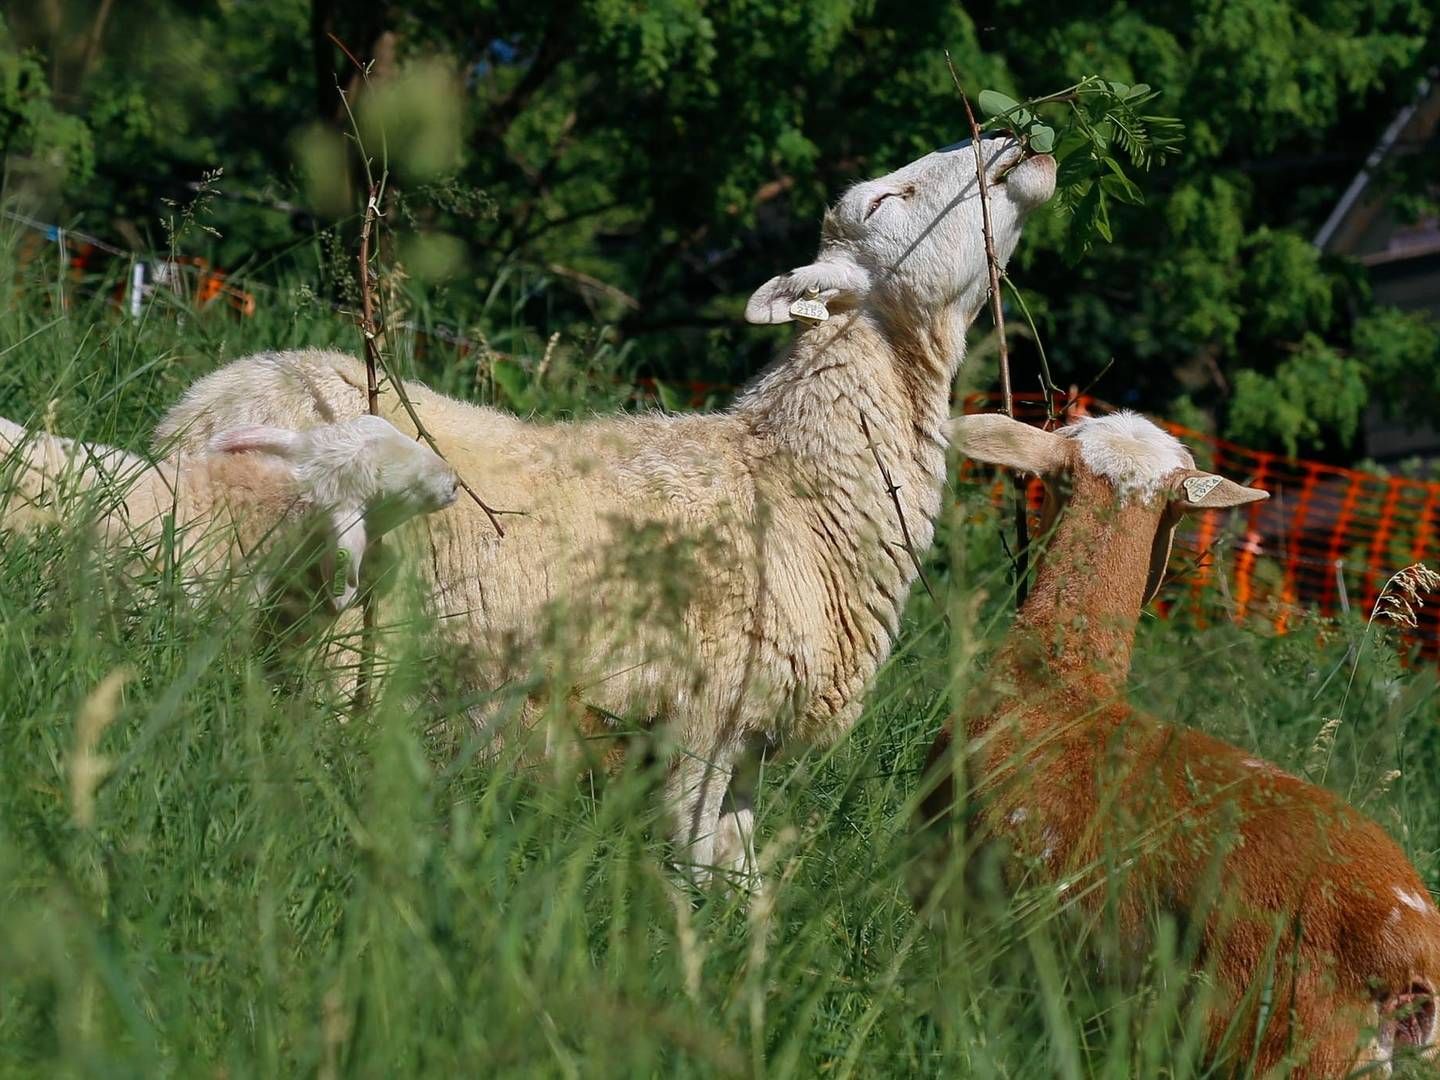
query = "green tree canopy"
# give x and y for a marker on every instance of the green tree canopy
(681, 152)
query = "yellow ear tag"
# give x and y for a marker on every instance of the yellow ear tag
(1197, 487)
(810, 308)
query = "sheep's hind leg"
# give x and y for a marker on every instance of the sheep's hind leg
(734, 852)
(695, 792)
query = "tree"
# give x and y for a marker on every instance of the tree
(681, 152)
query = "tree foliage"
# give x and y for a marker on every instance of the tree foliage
(49, 146)
(678, 153)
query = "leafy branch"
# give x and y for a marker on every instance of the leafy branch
(1103, 118)
(1104, 121)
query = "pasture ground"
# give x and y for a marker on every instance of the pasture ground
(266, 890)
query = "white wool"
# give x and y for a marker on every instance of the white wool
(1129, 450)
(362, 476)
(1410, 900)
(800, 573)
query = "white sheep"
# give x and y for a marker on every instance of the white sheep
(734, 578)
(340, 485)
(1133, 817)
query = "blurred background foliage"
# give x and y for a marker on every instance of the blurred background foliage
(643, 166)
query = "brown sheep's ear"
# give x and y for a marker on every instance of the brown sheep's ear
(1196, 490)
(256, 438)
(1160, 551)
(341, 564)
(998, 440)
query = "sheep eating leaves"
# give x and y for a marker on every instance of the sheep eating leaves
(733, 579)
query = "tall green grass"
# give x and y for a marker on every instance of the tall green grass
(267, 889)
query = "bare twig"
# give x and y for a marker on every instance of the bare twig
(997, 310)
(371, 345)
(1046, 382)
(893, 490)
(997, 313)
(346, 50)
(491, 512)
(368, 330)
(373, 355)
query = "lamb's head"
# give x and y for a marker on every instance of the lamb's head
(914, 240)
(363, 473)
(1107, 463)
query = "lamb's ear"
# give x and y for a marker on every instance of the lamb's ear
(1160, 550)
(838, 281)
(1196, 490)
(257, 438)
(341, 564)
(998, 440)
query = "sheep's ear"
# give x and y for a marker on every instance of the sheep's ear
(257, 438)
(1160, 551)
(998, 440)
(838, 281)
(341, 564)
(1196, 490)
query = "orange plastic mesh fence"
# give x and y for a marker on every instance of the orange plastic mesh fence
(1327, 538)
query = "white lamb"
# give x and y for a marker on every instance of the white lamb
(735, 579)
(254, 491)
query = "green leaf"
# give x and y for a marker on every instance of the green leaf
(1072, 141)
(1138, 90)
(513, 382)
(1121, 186)
(994, 103)
(1102, 216)
(1042, 138)
(1120, 89)
(670, 399)
(1122, 190)
(1082, 224)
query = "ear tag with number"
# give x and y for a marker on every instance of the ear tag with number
(1197, 487)
(810, 308)
(342, 561)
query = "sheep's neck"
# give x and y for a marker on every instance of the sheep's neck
(850, 392)
(1076, 629)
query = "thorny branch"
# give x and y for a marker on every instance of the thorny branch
(997, 313)
(893, 490)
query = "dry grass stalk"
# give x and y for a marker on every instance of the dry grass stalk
(1321, 747)
(1397, 603)
(692, 955)
(1400, 598)
(88, 768)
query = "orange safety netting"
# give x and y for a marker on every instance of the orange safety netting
(1327, 538)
